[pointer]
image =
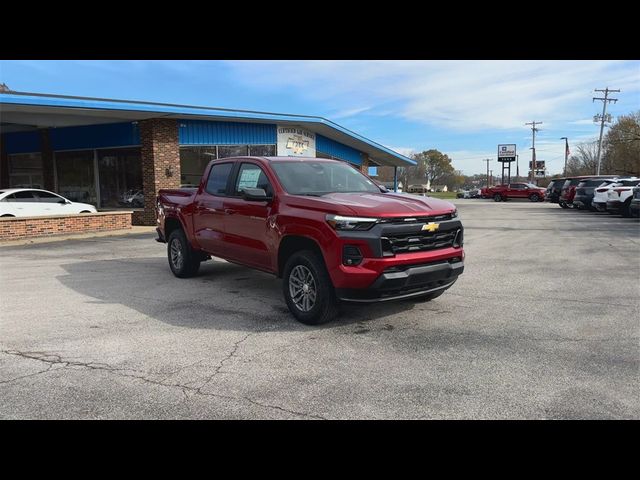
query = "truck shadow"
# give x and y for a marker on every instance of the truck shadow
(222, 296)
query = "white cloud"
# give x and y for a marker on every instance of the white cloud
(460, 95)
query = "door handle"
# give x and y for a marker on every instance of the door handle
(229, 211)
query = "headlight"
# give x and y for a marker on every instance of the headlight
(454, 214)
(339, 222)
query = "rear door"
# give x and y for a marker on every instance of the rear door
(518, 190)
(246, 230)
(23, 204)
(208, 215)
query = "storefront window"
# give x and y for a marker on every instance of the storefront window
(120, 173)
(25, 170)
(193, 161)
(76, 176)
(262, 150)
(225, 151)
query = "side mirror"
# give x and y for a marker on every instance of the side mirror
(255, 195)
(62, 201)
(383, 189)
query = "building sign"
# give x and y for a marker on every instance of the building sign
(540, 165)
(295, 141)
(507, 152)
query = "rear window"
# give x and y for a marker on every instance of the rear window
(629, 183)
(218, 177)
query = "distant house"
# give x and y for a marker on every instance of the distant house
(418, 188)
(439, 188)
(389, 185)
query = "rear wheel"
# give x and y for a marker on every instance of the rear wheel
(7, 215)
(534, 198)
(308, 290)
(563, 205)
(184, 262)
(497, 197)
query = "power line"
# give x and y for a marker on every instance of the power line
(603, 117)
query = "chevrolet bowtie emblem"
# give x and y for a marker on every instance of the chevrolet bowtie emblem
(432, 227)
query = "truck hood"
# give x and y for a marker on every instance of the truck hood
(384, 204)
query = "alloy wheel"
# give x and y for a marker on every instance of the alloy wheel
(302, 288)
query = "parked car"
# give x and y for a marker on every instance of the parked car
(601, 196)
(31, 202)
(500, 193)
(569, 188)
(585, 192)
(322, 226)
(634, 208)
(554, 189)
(620, 196)
(465, 194)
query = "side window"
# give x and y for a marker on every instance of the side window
(252, 176)
(24, 196)
(48, 197)
(218, 177)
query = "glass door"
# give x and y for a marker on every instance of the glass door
(76, 176)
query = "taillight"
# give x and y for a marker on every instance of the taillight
(600, 190)
(619, 190)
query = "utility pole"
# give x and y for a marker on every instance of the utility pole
(517, 168)
(566, 154)
(603, 117)
(487, 160)
(533, 149)
(491, 176)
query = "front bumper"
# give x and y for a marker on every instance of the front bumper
(406, 282)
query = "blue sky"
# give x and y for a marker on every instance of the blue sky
(463, 108)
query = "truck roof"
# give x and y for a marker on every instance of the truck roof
(289, 159)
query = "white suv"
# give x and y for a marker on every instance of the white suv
(619, 197)
(600, 194)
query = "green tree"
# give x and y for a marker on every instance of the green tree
(433, 166)
(622, 146)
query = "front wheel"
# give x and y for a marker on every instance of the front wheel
(535, 197)
(563, 205)
(308, 290)
(497, 197)
(184, 262)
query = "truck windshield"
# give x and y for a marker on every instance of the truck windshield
(319, 178)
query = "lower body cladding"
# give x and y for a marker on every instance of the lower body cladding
(582, 202)
(634, 208)
(599, 206)
(412, 281)
(614, 205)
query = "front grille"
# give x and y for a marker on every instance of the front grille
(408, 220)
(418, 242)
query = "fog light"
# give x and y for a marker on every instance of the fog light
(351, 255)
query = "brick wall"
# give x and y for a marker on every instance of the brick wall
(17, 228)
(160, 163)
(364, 167)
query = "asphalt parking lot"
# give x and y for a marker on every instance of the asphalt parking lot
(544, 323)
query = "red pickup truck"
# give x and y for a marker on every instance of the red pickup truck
(500, 193)
(326, 229)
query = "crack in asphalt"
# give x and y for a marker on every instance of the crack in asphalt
(218, 367)
(55, 359)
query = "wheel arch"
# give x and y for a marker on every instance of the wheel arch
(295, 243)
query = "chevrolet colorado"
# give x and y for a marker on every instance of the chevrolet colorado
(326, 229)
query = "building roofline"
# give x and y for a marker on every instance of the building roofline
(56, 100)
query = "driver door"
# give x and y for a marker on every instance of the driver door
(247, 235)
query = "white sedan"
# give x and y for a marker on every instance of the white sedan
(30, 202)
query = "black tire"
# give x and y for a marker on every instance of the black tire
(497, 197)
(8, 215)
(323, 307)
(183, 261)
(534, 197)
(85, 211)
(563, 205)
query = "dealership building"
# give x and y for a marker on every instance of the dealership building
(117, 154)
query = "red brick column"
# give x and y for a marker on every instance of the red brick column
(160, 163)
(47, 160)
(364, 166)
(4, 165)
